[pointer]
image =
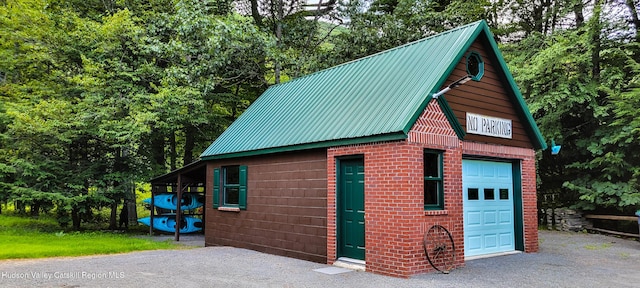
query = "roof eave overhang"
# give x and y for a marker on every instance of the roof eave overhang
(172, 176)
(400, 135)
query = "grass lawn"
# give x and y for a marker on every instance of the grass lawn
(23, 237)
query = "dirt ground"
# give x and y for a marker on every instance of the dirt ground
(564, 260)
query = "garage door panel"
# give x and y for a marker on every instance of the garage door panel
(506, 217)
(488, 172)
(472, 170)
(504, 173)
(490, 218)
(506, 239)
(474, 218)
(488, 207)
(474, 243)
(490, 240)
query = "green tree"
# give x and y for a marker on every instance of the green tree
(99, 95)
(387, 24)
(297, 29)
(579, 83)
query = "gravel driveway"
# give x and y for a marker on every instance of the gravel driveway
(564, 260)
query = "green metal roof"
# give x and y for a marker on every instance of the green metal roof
(375, 98)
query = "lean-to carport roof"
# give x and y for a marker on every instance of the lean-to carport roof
(376, 98)
(193, 172)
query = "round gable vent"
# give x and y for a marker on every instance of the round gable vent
(475, 66)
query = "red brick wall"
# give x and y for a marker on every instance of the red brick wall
(395, 219)
(286, 206)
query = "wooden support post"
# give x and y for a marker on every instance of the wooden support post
(153, 209)
(178, 208)
(204, 211)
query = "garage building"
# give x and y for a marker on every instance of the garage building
(358, 161)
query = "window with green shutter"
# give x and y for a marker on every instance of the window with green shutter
(230, 187)
(216, 188)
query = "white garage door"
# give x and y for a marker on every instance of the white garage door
(488, 207)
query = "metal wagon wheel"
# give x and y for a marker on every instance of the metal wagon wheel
(439, 247)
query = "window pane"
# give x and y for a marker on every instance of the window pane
(431, 165)
(232, 175)
(504, 194)
(433, 180)
(472, 193)
(232, 195)
(488, 194)
(431, 192)
(473, 65)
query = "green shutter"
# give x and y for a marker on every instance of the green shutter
(216, 187)
(243, 188)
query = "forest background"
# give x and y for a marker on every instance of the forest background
(98, 96)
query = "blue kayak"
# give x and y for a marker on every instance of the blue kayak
(167, 223)
(169, 200)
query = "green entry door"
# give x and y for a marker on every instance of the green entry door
(351, 209)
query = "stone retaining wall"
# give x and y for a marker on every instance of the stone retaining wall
(564, 219)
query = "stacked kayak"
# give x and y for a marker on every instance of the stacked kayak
(169, 201)
(167, 223)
